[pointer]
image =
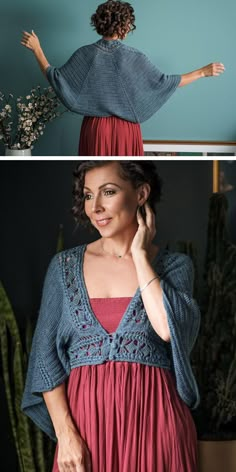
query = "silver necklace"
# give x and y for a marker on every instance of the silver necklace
(119, 256)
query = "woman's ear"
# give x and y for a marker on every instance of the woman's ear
(143, 193)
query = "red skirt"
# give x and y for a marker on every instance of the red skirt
(132, 419)
(110, 136)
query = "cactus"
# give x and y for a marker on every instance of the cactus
(187, 247)
(214, 354)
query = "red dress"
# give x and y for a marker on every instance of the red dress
(130, 415)
(110, 136)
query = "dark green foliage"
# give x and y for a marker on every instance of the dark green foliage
(60, 240)
(187, 247)
(13, 374)
(215, 352)
(34, 449)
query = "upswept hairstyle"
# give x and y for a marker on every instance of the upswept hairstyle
(137, 172)
(113, 18)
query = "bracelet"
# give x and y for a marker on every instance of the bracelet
(148, 283)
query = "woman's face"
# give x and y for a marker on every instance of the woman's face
(110, 202)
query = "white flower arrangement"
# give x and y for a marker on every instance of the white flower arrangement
(22, 120)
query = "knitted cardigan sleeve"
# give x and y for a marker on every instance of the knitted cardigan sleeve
(47, 366)
(68, 80)
(147, 88)
(184, 322)
(121, 83)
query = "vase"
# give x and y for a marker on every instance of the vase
(18, 152)
(217, 456)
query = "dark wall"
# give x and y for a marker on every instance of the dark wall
(35, 198)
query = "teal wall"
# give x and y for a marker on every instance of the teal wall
(177, 36)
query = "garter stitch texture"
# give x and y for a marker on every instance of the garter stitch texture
(68, 334)
(108, 78)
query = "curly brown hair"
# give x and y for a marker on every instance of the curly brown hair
(137, 172)
(113, 18)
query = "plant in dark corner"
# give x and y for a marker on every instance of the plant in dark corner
(214, 355)
(33, 448)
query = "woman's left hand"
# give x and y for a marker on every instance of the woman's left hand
(30, 40)
(146, 231)
(213, 70)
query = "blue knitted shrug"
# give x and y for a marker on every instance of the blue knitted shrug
(68, 334)
(108, 78)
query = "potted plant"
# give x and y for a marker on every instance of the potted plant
(22, 120)
(214, 356)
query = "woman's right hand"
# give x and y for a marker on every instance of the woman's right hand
(213, 69)
(73, 454)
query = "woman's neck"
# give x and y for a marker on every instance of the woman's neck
(111, 38)
(117, 247)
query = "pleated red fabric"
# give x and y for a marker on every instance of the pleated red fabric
(130, 415)
(110, 136)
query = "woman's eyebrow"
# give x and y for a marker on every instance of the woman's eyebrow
(104, 185)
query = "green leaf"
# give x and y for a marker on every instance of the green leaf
(60, 241)
(5, 309)
(6, 312)
(39, 450)
(23, 428)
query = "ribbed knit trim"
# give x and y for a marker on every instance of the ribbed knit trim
(108, 45)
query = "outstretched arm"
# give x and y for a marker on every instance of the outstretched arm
(31, 41)
(214, 69)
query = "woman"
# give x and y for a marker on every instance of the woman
(114, 86)
(109, 374)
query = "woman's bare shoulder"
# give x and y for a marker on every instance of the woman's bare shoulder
(93, 249)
